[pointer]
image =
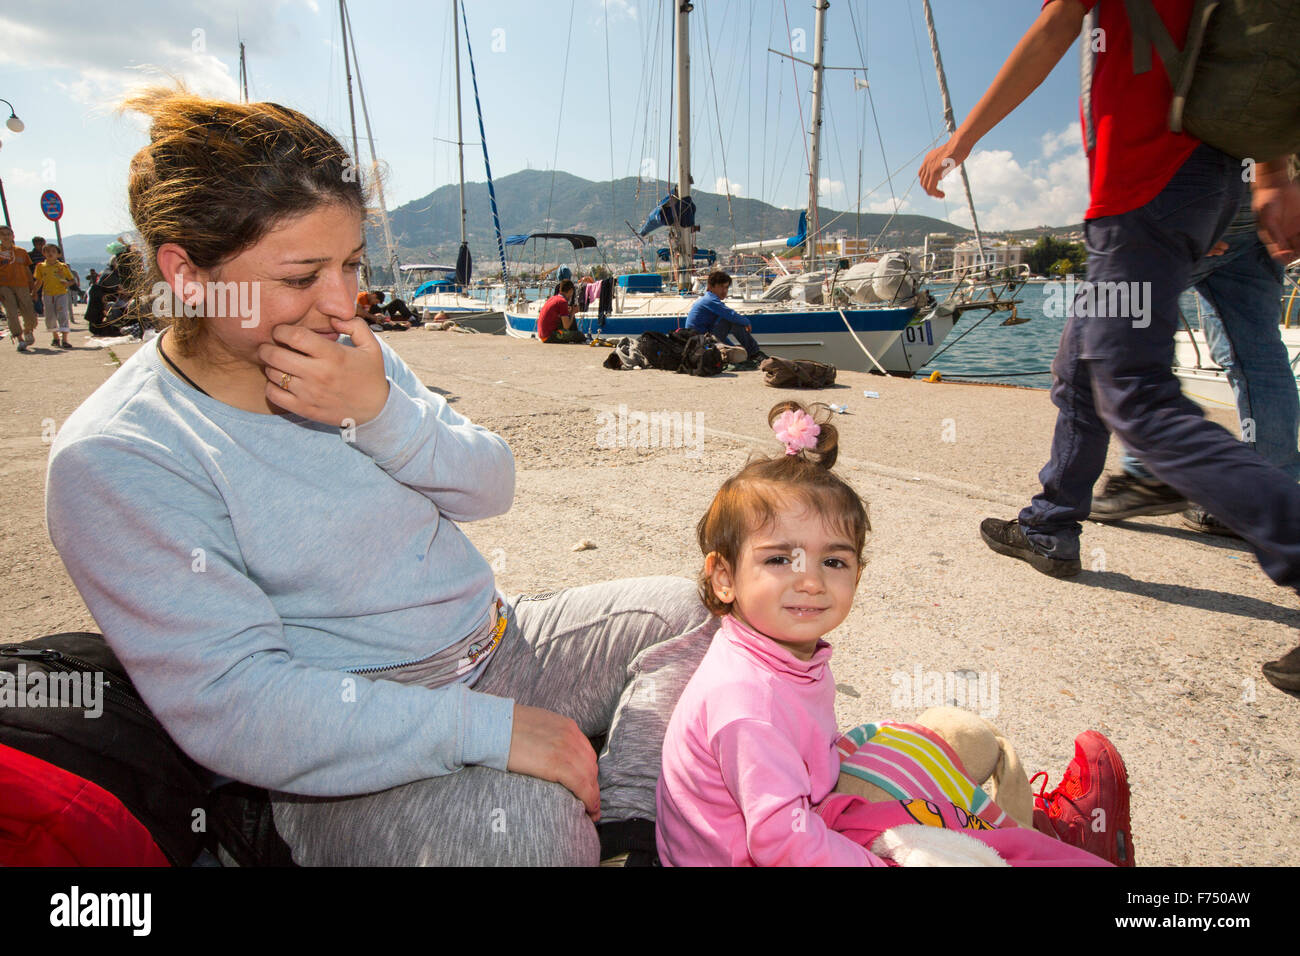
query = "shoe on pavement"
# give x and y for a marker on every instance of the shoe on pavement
(1124, 496)
(21, 343)
(1090, 807)
(1198, 519)
(1007, 537)
(1284, 673)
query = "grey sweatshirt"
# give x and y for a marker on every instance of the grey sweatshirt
(241, 564)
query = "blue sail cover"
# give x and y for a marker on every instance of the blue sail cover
(702, 255)
(671, 211)
(802, 237)
(464, 266)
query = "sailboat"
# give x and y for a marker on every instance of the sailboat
(851, 337)
(440, 288)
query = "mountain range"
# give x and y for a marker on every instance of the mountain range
(428, 229)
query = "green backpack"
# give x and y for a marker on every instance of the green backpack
(1237, 79)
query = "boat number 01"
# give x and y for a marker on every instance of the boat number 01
(919, 334)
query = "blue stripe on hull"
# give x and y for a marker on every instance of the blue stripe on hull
(766, 323)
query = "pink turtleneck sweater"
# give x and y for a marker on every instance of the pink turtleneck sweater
(749, 753)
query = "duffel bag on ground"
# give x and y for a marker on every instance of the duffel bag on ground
(797, 373)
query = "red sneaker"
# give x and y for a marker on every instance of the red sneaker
(1090, 807)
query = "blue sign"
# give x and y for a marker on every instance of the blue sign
(51, 205)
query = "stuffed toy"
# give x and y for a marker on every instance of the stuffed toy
(930, 771)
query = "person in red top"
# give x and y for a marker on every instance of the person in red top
(15, 290)
(555, 321)
(1159, 202)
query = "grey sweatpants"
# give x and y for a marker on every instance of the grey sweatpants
(614, 657)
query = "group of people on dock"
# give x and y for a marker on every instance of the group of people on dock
(36, 283)
(410, 713)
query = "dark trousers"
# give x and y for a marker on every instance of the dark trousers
(397, 309)
(1113, 374)
(724, 328)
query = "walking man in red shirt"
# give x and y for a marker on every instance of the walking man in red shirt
(1159, 201)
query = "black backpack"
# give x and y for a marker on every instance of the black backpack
(662, 351)
(702, 356)
(126, 751)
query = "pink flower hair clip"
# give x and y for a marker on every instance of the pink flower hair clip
(797, 431)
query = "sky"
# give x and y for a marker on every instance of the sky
(582, 86)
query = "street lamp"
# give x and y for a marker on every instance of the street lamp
(17, 125)
(14, 123)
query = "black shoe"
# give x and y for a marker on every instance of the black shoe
(1284, 673)
(746, 366)
(628, 843)
(759, 357)
(1198, 519)
(1124, 496)
(1006, 537)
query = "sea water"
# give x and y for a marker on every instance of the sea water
(987, 351)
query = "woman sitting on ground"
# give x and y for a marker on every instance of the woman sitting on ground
(215, 498)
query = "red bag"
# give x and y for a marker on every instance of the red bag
(50, 817)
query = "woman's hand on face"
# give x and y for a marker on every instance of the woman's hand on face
(551, 747)
(328, 382)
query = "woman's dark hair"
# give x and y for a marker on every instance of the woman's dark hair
(216, 177)
(750, 499)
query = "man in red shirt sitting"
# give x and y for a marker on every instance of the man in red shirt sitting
(555, 321)
(1159, 201)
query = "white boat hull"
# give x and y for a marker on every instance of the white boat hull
(803, 332)
(1205, 382)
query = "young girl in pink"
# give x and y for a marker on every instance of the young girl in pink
(750, 756)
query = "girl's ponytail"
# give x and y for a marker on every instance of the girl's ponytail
(826, 449)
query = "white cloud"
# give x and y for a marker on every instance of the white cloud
(722, 186)
(619, 8)
(1066, 139)
(887, 206)
(831, 192)
(1049, 189)
(110, 53)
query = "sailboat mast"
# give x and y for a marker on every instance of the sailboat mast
(814, 155)
(460, 132)
(685, 244)
(949, 122)
(243, 72)
(352, 114)
(374, 166)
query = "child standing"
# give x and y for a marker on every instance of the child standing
(52, 279)
(750, 757)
